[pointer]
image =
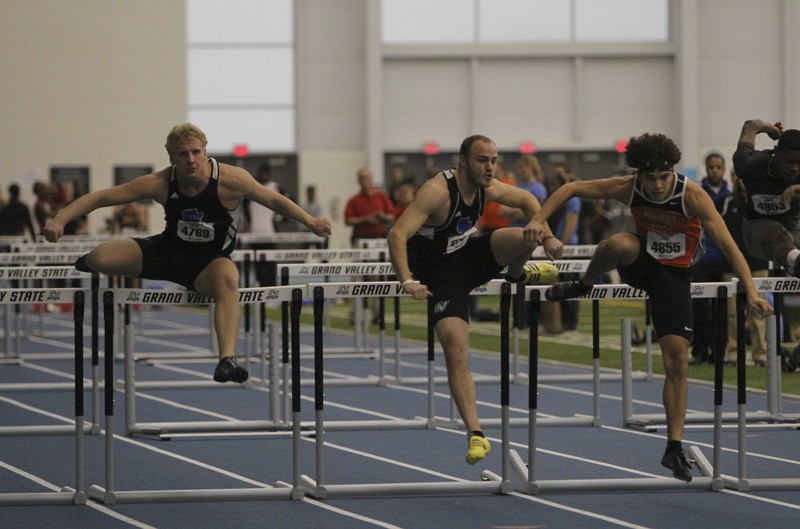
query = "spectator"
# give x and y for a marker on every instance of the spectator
(710, 266)
(370, 211)
(15, 216)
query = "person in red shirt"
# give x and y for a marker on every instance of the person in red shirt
(493, 218)
(369, 211)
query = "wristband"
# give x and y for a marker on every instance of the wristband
(407, 281)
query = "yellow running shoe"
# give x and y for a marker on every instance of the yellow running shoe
(539, 274)
(477, 448)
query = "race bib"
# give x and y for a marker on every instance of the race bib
(770, 204)
(666, 246)
(195, 231)
(458, 241)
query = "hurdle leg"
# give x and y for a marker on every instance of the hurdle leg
(627, 372)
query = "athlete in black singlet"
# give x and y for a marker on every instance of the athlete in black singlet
(449, 260)
(201, 199)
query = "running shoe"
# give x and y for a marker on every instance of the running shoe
(229, 371)
(477, 448)
(566, 290)
(536, 274)
(676, 461)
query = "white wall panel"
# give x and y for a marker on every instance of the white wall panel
(621, 20)
(735, 66)
(524, 21)
(252, 76)
(239, 21)
(627, 97)
(427, 21)
(263, 131)
(426, 100)
(525, 100)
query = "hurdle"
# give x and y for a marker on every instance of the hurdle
(574, 266)
(654, 421)
(281, 490)
(742, 482)
(295, 237)
(184, 297)
(337, 270)
(25, 273)
(67, 495)
(326, 256)
(526, 470)
(490, 483)
(18, 260)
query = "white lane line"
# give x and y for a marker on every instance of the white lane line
(46, 484)
(184, 459)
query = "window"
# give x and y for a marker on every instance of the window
(508, 21)
(240, 73)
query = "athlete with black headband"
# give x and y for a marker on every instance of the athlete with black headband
(669, 212)
(772, 181)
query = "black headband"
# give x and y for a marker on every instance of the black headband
(654, 166)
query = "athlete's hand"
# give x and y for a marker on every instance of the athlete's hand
(53, 230)
(321, 227)
(417, 290)
(534, 231)
(790, 193)
(774, 130)
(760, 306)
(553, 248)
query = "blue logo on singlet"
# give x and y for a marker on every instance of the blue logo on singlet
(464, 223)
(192, 215)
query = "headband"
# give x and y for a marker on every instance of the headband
(655, 165)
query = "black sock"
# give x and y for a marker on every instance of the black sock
(476, 432)
(82, 265)
(515, 280)
(674, 446)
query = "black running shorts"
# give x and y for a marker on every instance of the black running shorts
(452, 277)
(669, 290)
(162, 261)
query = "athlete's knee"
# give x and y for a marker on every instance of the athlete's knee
(82, 264)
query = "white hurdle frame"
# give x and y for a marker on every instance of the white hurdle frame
(654, 421)
(337, 270)
(67, 495)
(578, 266)
(25, 273)
(282, 490)
(183, 297)
(741, 482)
(317, 487)
(526, 471)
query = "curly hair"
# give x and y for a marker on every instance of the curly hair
(184, 131)
(652, 152)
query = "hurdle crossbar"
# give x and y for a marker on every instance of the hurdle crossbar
(109, 494)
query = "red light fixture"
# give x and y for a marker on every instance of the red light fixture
(527, 147)
(431, 147)
(241, 150)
